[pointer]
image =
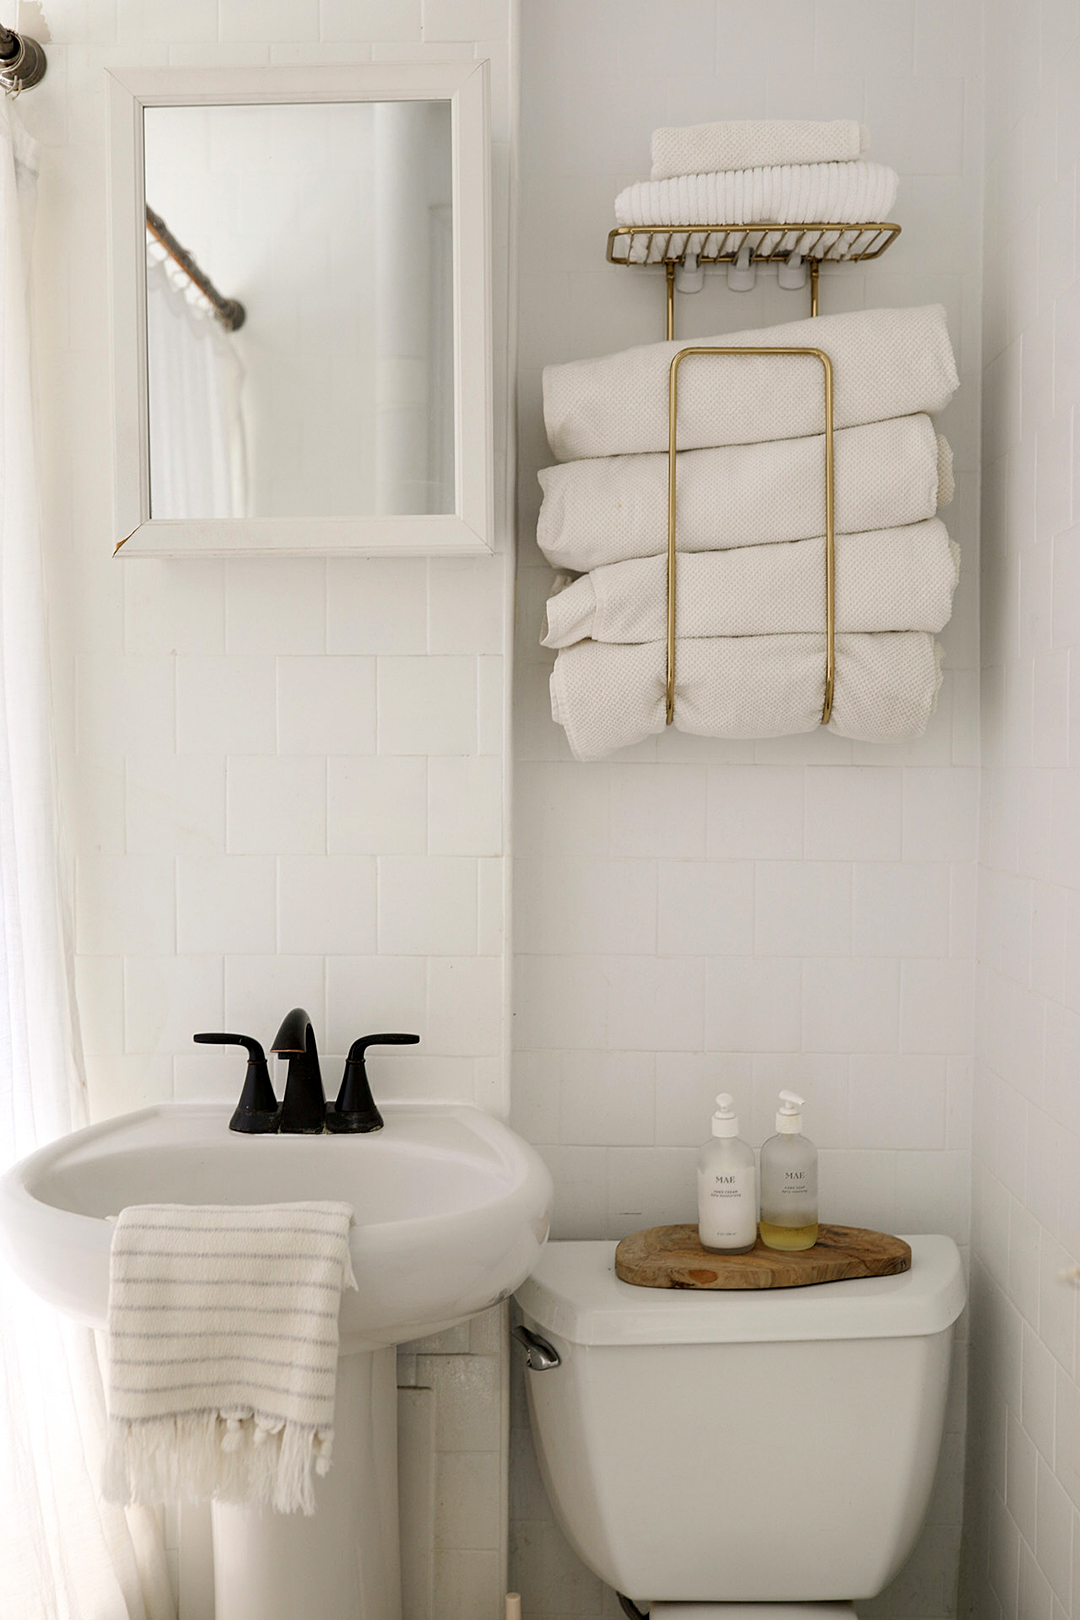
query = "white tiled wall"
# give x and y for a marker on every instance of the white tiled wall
(1024, 1485)
(282, 780)
(695, 915)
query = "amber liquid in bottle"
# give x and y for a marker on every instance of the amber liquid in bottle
(788, 1237)
(789, 1195)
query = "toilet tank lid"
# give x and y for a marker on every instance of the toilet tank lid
(575, 1294)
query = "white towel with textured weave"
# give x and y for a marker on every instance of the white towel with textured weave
(223, 1340)
(753, 143)
(611, 508)
(886, 362)
(793, 193)
(609, 696)
(890, 579)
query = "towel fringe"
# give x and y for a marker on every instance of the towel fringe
(235, 1455)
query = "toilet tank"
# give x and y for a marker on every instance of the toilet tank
(756, 1446)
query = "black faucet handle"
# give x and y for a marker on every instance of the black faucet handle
(254, 1048)
(360, 1046)
(355, 1112)
(257, 1111)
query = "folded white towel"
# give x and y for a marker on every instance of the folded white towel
(886, 362)
(794, 193)
(753, 144)
(891, 579)
(223, 1339)
(609, 696)
(610, 508)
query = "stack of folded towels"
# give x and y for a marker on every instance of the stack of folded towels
(750, 596)
(748, 173)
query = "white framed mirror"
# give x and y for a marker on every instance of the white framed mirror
(301, 290)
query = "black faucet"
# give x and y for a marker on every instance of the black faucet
(303, 1107)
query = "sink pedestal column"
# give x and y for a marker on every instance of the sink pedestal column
(344, 1561)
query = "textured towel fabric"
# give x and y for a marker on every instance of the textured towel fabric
(886, 362)
(223, 1339)
(891, 579)
(610, 696)
(611, 508)
(794, 193)
(754, 144)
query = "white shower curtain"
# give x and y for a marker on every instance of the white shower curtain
(197, 460)
(64, 1554)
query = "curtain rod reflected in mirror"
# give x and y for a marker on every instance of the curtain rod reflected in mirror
(230, 311)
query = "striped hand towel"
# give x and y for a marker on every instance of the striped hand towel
(223, 1340)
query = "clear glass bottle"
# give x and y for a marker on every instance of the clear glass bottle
(789, 1182)
(727, 1186)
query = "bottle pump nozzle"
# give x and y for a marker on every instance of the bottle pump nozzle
(789, 1115)
(725, 1121)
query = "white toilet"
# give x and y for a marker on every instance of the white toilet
(751, 1454)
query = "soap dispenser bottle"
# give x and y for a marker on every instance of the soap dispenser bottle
(727, 1186)
(789, 1199)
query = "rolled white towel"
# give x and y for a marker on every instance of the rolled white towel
(611, 508)
(608, 696)
(793, 193)
(891, 579)
(886, 362)
(753, 143)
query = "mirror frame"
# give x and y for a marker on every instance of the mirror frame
(469, 530)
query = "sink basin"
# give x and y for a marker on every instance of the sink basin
(451, 1214)
(451, 1206)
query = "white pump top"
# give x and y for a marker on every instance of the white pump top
(725, 1122)
(789, 1117)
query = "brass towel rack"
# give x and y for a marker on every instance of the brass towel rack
(817, 243)
(830, 538)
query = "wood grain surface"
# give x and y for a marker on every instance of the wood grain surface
(673, 1257)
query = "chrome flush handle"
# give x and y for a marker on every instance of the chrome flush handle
(539, 1355)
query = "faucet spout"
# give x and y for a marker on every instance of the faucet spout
(303, 1107)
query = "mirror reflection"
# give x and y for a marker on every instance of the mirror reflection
(300, 343)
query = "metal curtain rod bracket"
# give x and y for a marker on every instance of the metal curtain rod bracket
(22, 61)
(830, 537)
(229, 311)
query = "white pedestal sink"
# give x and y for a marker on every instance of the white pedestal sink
(451, 1214)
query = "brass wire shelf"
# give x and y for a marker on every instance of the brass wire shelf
(721, 244)
(645, 247)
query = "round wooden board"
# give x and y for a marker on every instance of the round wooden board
(673, 1257)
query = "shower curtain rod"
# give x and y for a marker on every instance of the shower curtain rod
(22, 61)
(229, 311)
